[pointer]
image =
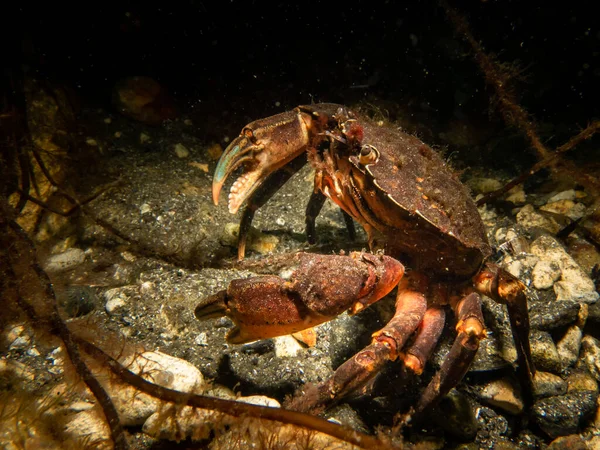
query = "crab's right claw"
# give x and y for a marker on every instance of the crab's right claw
(262, 147)
(269, 306)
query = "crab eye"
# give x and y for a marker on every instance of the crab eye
(248, 133)
(368, 155)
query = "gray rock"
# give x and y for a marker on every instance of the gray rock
(550, 316)
(563, 415)
(530, 219)
(65, 261)
(574, 284)
(546, 384)
(544, 352)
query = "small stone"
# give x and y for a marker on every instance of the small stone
(286, 346)
(544, 274)
(65, 261)
(573, 442)
(260, 400)
(554, 315)
(563, 415)
(574, 284)
(569, 208)
(118, 134)
(581, 381)
(181, 151)
(504, 395)
(546, 384)
(115, 298)
(564, 195)
(107, 120)
(530, 219)
(544, 352)
(135, 407)
(201, 339)
(91, 141)
(589, 357)
(145, 208)
(144, 138)
(568, 346)
(187, 122)
(516, 195)
(484, 185)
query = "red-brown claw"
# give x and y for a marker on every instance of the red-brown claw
(322, 287)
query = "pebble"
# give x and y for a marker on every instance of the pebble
(504, 395)
(181, 151)
(565, 207)
(544, 352)
(135, 407)
(286, 346)
(590, 355)
(544, 274)
(201, 339)
(572, 442)
(574, 284)
(116, 298)
(581, 381)
(531, 220)
(65, 261)
(568, 346)
(553, 315)
(569, 194)
(563, 415)
(546, 384)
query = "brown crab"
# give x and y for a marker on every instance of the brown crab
(412, 207)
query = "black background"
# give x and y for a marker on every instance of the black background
(251, 58)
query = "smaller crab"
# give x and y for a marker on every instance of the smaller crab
(412, 207)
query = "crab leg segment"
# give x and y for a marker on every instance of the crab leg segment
(504, 288)
(470, 331)
(386, 346)
(322, 287)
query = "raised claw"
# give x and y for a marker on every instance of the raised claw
(262, 147)
(322, 287)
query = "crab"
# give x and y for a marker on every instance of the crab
(413, 208)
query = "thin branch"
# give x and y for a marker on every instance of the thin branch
(59, 328)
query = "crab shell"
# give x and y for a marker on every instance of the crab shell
(398, 188)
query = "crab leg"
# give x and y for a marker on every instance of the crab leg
(313, 208)
(386, 346)
(262, 195)
(504, 288)
(470, 330)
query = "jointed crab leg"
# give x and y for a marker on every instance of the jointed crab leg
(505, 288)
(262, 195)
(313, 208)
(386, 346)
(470, 330)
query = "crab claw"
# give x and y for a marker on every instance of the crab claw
(322, 287)
(262, 147)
